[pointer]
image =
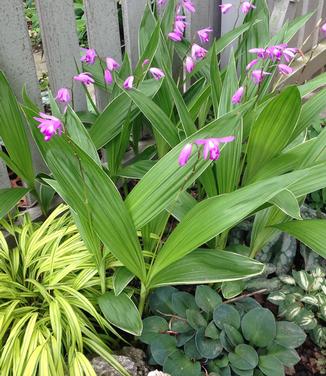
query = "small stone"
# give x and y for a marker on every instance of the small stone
(157, 373)
(103, 368)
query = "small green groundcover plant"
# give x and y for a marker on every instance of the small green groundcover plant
(302, 300)
(196, 335)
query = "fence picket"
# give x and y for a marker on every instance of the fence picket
(103, 33)
(16, 57)
(132, 12)
(59, 37)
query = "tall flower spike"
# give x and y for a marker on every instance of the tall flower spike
(225, 7)
(111, 64)
(108, 76)
(237, 97)
(284, 69)
(49, 126)
(197, 52)
(185, 154)
(189, 64)
(161, 3)
(246, 7)
(89, 57)
(157, 73)
(211, 146)
(63, 95)
(258, 75)
(203, 34)
(86, 78)
(128, 84)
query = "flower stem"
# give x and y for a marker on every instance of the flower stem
(142, 300)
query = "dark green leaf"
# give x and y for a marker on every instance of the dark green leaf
(226, 314)
(207, 347)
(9, 197)
(244, 357)
(153, 328)
(206, 298)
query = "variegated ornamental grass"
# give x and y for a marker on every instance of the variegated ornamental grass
(48, 289)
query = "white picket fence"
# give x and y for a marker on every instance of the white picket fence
(61, 47)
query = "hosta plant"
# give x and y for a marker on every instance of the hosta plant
(196, 335)
(302, 300)
(48, 285)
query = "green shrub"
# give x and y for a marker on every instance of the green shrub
(302, 300)
(194, 334)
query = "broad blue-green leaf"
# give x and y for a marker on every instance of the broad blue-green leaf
(120, 311)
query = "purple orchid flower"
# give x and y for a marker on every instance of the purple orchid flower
(323, 28)
(284, 69)
(258, 75)
(157, 73)
(251, 64)
(203, 34)
(49, 126)
(86, 78)
(63, 95)
(128, 84)
(187, 4)
(246, 7)
(185, 154)
(237, 97)
(89, 57)
(175, 36)
(197, 52)
(225, 7)
(111, 64)
(189, 64)
(211, 146)
(108, 76)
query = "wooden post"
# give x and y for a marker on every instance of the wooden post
(16, 60)
(132, 14)
(59, 38)
(103, 34)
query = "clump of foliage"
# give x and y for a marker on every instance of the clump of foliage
(192, 335)
(48, 283)
(302, 300)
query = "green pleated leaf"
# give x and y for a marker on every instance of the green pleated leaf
(310, 112)
(310, 232)
(287, 202)
(109, 124)
(79, 135)
(273, 129)
(207, 266)
(13, 132)
(157, 117)
(217, 214)
(9, 198)
(93, 196)
(121, 312)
